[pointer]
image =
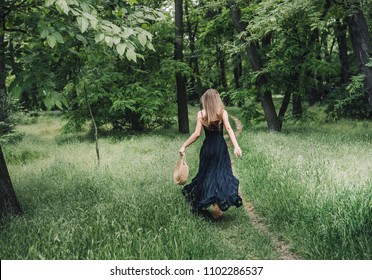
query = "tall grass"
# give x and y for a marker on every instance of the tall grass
(313, 185)
(126, 208)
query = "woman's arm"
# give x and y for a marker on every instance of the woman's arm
(230, 132)
(193, 137)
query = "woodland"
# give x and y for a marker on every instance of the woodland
(132, 68)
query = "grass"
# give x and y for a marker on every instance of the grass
(312, 184)
(126, 208)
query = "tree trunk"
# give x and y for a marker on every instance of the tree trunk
(8, 199)
(183, 120)
(284, 107)
(196, 83)
(271, 117)
(361, 42)
(4, 108)
(297, 106)
(221, 68)
(238, 70)
(342, 51)
(93, 122)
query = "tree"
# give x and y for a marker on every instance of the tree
(255, 60)
(340, 31)
(192, 29)
(183, 119)
(361, 42)
(61, 21)
(8, 199)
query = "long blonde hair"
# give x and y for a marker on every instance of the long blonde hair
(214, 108)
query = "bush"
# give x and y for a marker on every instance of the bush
(350, 103)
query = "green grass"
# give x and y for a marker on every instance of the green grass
(126, 208)
(313, 185)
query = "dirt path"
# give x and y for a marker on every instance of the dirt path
(282, 247)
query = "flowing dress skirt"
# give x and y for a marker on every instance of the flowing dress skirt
(215, 181)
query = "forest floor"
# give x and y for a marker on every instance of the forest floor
(306, 195)
(283, 248)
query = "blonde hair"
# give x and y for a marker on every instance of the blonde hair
(214, 108)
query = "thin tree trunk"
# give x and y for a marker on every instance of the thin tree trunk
(191, 82)
(221, 66)
(271, 117)
(238, 70)
(183, 120)
(4, 111)
(284, 107)
(196, 83)
(342, 51)
(8, 199)
(297, 105)
(362, 48)
(194, 62)
(93, 122)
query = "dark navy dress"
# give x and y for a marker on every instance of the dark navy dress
(215, 181)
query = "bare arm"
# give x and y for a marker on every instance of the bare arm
(193, 137)
(230, 132)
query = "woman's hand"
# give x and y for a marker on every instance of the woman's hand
(237, 151)
(182, 151)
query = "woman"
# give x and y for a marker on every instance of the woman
(215, 183)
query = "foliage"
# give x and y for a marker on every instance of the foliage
(352, 103)
(54, 43)
(141, 99)
(73, 36)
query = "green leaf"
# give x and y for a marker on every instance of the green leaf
(120, 49)
(150, 17)
(150, 46)
(131, 55)
(49, 102)
(132, 2)
(116, 40)
(16, 92)
(89, 16)
(127, 32)
(142, 39)
(81, 38)
(63, 6)
(73, 2)
(58, 37)
(85, 7)
(51, 40)
(109, 41)
(83, 24)
(59, 105)
(138, 14)
(93, 23)
(49, 2)
(99, 37)
(44, 33)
